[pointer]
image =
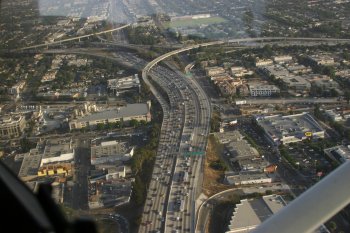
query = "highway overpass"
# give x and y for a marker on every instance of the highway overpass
(74, 38)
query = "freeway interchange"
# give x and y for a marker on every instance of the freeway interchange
(177, 175)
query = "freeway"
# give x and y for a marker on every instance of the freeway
(238, 41)
(170, 205)
(172, 191)
(197, 127)
(173, 121)
(75, 38)
(180, 50)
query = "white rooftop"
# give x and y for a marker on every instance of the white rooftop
(109, 143)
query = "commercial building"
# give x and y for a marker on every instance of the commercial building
(30, 164)
(109, 171)
(58, 151)
(246, 178)
(296, 83)
(322, 60)
(110, 151)
(263, 62)
(339, 154)
(49, 158)
(211, 71)
(64, 169)
(12, 126)
(327, 84)
(263, 89)
(250, 213)
(121, 85)
(281, 59)
(291, 128)
(278, 71)
(239, 71)
(248, 167)
(298, 69)
(139, 112)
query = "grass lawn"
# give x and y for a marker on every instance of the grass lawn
(194, 22)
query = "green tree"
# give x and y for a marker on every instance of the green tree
(347, 96)
(134, 123)
(100, 126)
(332, 226)
(138, 191)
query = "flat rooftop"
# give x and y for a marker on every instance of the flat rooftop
(55, 150)
(127, 111)
(340, 153)
(297, 125)
(30, 164)
(250, 213)
(242, 150)
(109, 148)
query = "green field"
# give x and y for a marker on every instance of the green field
(194, 22)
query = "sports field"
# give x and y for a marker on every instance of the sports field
(194, 22)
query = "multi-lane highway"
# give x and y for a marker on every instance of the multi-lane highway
(177, 173)
(176, 178)
(170, 205)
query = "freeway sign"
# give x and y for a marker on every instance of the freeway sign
(188, 75)
(194, 153)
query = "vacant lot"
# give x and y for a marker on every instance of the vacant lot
(212, 182)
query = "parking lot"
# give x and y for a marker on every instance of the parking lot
(309, 160)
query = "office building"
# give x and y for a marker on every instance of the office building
(12, 126)
(127, 84)
(139, 112)
(250, 213)
(110, 151)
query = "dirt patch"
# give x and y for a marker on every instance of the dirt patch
(106, 226)
(213, 179)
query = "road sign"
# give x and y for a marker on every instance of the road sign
(194, 153)
(189, 75)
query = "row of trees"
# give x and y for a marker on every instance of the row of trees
(120, 124)
(142, 165)
(338, 127)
